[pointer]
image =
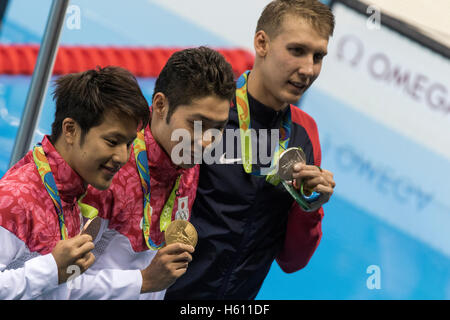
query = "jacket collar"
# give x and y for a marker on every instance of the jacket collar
(264, 115)
(159, 162)
(70, 185)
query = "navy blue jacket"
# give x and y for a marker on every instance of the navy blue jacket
(244, 223)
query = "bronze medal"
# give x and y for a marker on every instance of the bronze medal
(181, 231)
(92, 227)
(287, 160)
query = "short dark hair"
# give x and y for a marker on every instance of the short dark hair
(192, 74)
(87, 96)
(316, 13)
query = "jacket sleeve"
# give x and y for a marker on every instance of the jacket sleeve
(303, 234)
(103, 284)
(304, 229)
(37, 275)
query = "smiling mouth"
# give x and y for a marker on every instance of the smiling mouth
(298, 85)
(109, 170)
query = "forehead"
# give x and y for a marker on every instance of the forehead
(114, 123)
(211, 107)
(295, 29)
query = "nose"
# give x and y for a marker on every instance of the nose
(206, 141)
(307, 66)
(209, 136)
(121, 154)
(201, 144)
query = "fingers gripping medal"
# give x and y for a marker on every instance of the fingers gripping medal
(181, 231)
(288, 159)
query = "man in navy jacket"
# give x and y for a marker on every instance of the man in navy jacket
(243, 221)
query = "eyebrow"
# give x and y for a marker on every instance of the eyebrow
(119, 136)
(298, 44)
(211, 122)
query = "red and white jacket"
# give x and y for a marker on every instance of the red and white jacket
(29, 227)
(122, 249)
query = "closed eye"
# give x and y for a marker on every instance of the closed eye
(111, 143)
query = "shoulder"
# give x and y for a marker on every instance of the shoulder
(19, 192)
(301, 118)
(20, 180)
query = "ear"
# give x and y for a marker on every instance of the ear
(261, 43)
(160, 105)
(70, 130)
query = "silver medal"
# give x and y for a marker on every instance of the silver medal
(288, 159)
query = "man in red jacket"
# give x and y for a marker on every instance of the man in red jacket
(246, 216)
(158, 184)
(98, 113)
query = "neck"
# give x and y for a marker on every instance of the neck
(156, 134)
(257, 89)
(63, 150)
(153, 127)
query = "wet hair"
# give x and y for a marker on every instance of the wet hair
(194, 74)
(88, 96)
(317, 14)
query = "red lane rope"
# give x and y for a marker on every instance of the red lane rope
(143, 62)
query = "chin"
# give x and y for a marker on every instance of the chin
(293, 99)
(101, 185)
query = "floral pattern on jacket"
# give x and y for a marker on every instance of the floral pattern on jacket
(26, 209)
(122, 203)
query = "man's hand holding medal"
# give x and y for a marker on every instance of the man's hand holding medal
(314, 184)
(309, 179)
(171, 261)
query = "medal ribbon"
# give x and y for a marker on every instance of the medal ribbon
(86, 210)
(140, 154)
(245, 133)
(48, 179)
(246, 143)
(50, 185)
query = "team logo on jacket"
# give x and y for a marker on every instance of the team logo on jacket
(183, 209)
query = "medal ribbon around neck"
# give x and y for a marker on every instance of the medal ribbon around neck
(50, 185)
(245, 133)
(246, 142)
(140, 154)
(48, 179)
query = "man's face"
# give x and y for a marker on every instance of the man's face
(211, 112)
(293, 60)
(106, 148)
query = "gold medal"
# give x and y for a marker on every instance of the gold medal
(181, 231)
